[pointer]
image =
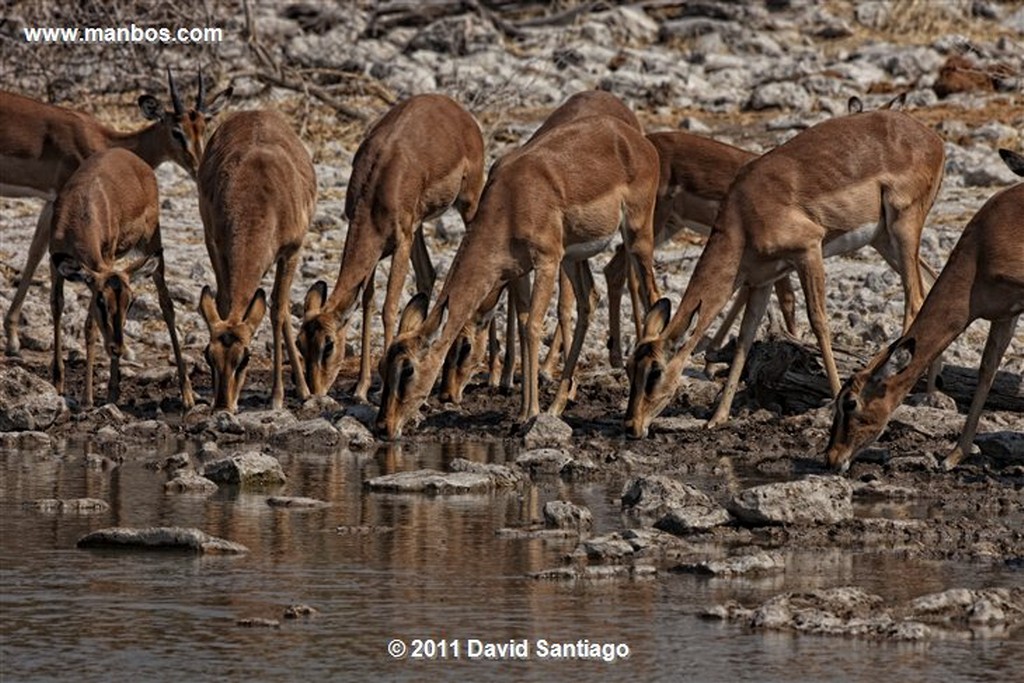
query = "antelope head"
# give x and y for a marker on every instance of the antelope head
(463, 358)
(407, 366)
(321, 338)
(112, 294)
(186, 128)
(228, 351)
(866, 402)
(655, 369)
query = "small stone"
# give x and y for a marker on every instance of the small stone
(561, 514)
(251, 468)
(300, 611)
(546, 431)
(258, 622)
(297, 502)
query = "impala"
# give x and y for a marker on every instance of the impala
(467, 352)
(42, 145)
(983, 278)
(257, 194)
(108, 209)
(584, 181)
(425, 155)
(868, 178)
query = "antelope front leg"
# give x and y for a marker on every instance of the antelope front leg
(543, 288)
(56, 309)
(583, 285)
(515, 324)
(756, 306)
(615, 277)
(188, 399)
(363, 383)
(561, 340)
(280, 316)
(90, 355)
(999, 334)
(811, 270)
(40, 239)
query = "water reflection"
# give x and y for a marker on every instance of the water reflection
(402, 566)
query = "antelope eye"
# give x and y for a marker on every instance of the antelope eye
(407, 370)
(849, 404)
(328, 348)
(243, 363)
(178, 135)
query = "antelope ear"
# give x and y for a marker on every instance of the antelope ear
(657, 318)
(256, 310)
(208, 307)
(217, 102)
(1013, 160)
(144, 267)
(344, 315)
(898, 358)
(437, 321)
(314, 301)
(686, 335)
(414, 314)
(151, 107)
(854, 105)
(71, 269)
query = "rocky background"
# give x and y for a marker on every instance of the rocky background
(752, 74)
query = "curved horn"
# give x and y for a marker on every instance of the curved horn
(179, 109)
(200, 104)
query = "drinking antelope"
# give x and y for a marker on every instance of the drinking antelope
(467, 352)
(868, 178)
(424, 155)
(257, 194)
(983, 278)
(106, 210)
(579, 196)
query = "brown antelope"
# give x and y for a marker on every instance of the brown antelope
(41, 146)
(983, 278)
(108, 209)
(424, 155)
(868, 178)
(579, 195)
(695, 174)
(257, 194)
(467, 352)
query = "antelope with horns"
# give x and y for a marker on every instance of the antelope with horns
(257, 194)
(424, 155)
(106, 210)
(868, 178)
(983, 278)
(42, 145)
(560, 199)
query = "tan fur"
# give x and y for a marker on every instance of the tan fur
(257, 195)
(423, 156)
(106, 210)
(42, 145)
(786, 210)
(983, 278)
(543, 200)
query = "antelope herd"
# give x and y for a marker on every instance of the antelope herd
(587, 176)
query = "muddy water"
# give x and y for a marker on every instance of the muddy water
(406, 567)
